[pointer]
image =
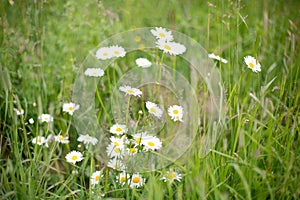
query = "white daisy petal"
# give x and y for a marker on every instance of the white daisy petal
(131, 91)
(154, 109)
(94, 72)
(70, 108)
(104, 53)
(45, 118)
(143, 62)
(74, 156)
(162, 34)
(252, 63)
(173, 48)
(176, 113)
(118, 129)
(136, 181)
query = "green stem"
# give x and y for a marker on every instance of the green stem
(127, 110)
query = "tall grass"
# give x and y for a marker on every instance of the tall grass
(257, 156)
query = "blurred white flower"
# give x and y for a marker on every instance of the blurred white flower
(95, 178)
(70, 107)
(154, 109)
(176, 113)
(87, 139)
(213, 56)
(19, 111)
(31, 121)
(143, 62)
(116, 164)
(104, 53)
(118, 51)
(95, 72)
(61, 139)
(136, 181)
(171, 176)
(114, 151)
(39, 140)
(151, 143)
(252, 63)
(122, 178)
(173, 48)
(162, 34)
(131, 91)
(45, 118)
(74, 156)
(118, 129)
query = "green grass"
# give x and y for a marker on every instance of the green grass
(257, 156)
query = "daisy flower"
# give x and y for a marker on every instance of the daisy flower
(213, 56)
(45, 118)
(143, 62)
(118, 142)
(132, 151)
(162, 34)
(118, 129)
(139, 137)
(152, 143)
(70, 108)
(131, 91)
(61, 139)
(74, 156)
(122, 178)
(154, 109)
(104, 53)
(95, 72)
(19, 111)
(173, 48)
(118, 51)
(31, 121)
(114, 151)
(116, 164)
(95, 178)
(136, 181)
(39, 140)
(252, 63)
(171, 176)
(87, 139)
(176, 113)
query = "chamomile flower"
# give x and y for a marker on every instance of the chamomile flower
(131, 91)
(61, 139)
(143, 62)
(122, 178)
(162, 34)
(154, 109)
(114, 151)
(94, 72)
(118, 142)
(136, 181)
(19, 111)
(87, 139)
(95, 178)
(171, 176)
(152, 143)
(118, 51)
(139, 137)
(118, 129)
(131, 151)
(213, 56)
(116, 164)
(70, 108)
(31, 121)
(176, 113)
(45, 118)
(104, 53)
(74, 156)
(252, 63)
(173, 48)
(39, 140)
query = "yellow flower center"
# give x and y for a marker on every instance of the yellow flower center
(123, 179)
(132, 150)
(167, 47)
(162, 35)
(138, 38)
(130, 91)
(74, 157)
(87, 138)
(117, 166)
(151, 144)
(71, 107)
(61, 138)
(251, 65)
(46, 118)
(118, 129)
(116, 52)
(117, 150)
(116, 144)
(138, 140)
(170, 175)
(105, 54)
(153, 110)
(97, 178)
(136, 179)
(39, 141)
(141, 47)
(175, 112)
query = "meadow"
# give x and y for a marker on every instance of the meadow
(45, 44)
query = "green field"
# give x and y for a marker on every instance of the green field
(44, 43)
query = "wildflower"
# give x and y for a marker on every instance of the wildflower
(87, 139)
(61, 139)
(152, 143)
(171, 176)
(122, 178)
(118, 51)
(131, 91)
(104, 53)
(139, 137)
(172, 48)
(252, 63)
(19, 111)
(118, 129)
(118, 142)
(74, 156)
(39, 140)
(48, 139)
(154, 109)
(136, 180)
(114, 151)
(176, 113)
(31, 121)
(95, 178)
(213, 56)
(132, 151)
(116, 164)
(162, 34)
(143, 62)
(70, 108)
(95, 72)
(45, 118)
